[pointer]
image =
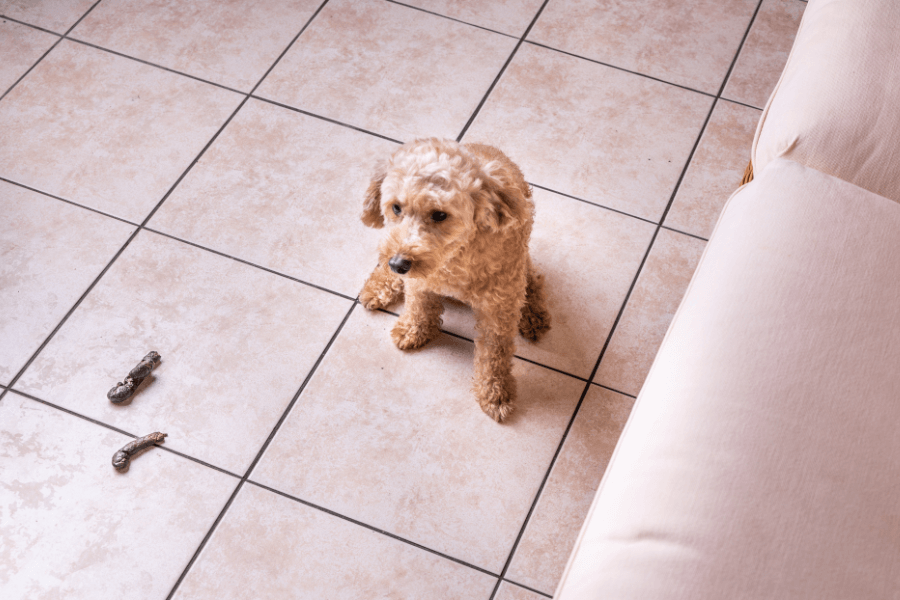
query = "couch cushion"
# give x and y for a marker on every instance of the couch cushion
(762, 459)
(836, 107)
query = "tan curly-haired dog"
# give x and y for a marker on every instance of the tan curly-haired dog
(459, 217)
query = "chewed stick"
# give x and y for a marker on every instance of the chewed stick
(122, 458)
(123, 390)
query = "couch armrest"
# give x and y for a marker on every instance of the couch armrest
(836, 107)
(762, 459)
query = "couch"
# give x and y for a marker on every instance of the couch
(762, 458)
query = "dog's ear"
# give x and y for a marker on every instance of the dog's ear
(500, 203)
(371, 215)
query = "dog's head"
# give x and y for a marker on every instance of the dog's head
(435, 196)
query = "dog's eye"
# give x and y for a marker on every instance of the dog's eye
(396, 208)
(438, 216)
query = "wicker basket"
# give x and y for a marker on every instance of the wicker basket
(748, 173)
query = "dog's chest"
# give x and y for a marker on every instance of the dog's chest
(452, 283)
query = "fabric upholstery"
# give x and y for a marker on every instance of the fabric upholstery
(836, 107)
(762, 459)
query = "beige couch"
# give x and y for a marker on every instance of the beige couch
(762, 459)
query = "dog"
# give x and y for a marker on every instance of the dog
(459, 217)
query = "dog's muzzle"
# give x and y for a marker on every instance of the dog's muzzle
(400, 265)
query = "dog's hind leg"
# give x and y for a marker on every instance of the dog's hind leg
(535, 320)
(382, 289)
(421, 320)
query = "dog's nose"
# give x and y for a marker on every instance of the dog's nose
(400, 265)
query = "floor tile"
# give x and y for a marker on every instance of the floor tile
(511, 17)
(509, 591)
(564, 503)
(765, 52)
(232, 43)
(55, 15)
(589, 257)
(389, 69)
(576, 127)
(262, 549)
(20, 47)
(687, 43)
(236, 343)
(285, 191)
(657, 294)
(75, 528)
(396, 440)
(105, 131)
(51, 252)
(716, 169)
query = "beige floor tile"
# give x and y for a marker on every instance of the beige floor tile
(20, 47)
(55, 15)
(236, 343)
(388, 69)
(397, 440)
(589, 257)
(554, 526)
(229, 42)
(716, 169)
(765, 52)
(51, 252)
(263, 548)
(285, 191)
(657, 294)
(576, 127)
(690, 43)
(105, 131)
(509, 591)
(75, 528)
(511, 17)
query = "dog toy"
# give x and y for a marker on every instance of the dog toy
(122, 458)
(122, 391)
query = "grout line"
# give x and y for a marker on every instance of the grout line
(49, 195)
(371, 528)
(289, 46)
(744, 104)
(530, 589)
(571, 422)
(250, 264)
(740, 47)
(672, 229)
(121, 431)
(261, 452)
(598, 205)
(32, 25)
(150, 64)
(612, 66)
(74, 307)
(451, 18)
(55, 44)
(612, 331)
(502, 71)
(612, 389)
(354, 127)
(327, 119)
(522, 358)
(130, 238)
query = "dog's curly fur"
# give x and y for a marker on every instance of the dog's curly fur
(478, 254)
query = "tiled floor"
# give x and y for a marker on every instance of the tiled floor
(187, 178)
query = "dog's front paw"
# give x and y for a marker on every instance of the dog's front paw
(372, 300)
(382, 289)
(409, 336)
(496, 400)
